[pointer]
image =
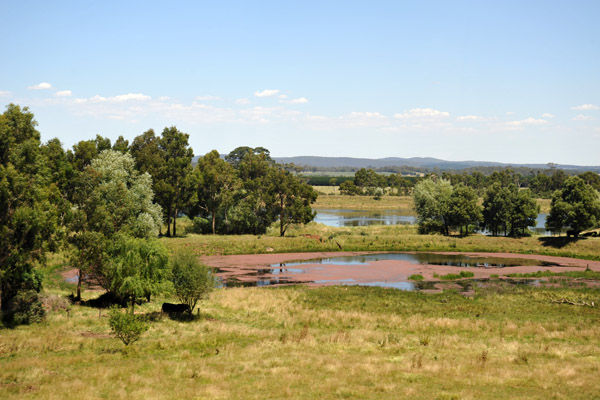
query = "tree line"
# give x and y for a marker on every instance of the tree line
(541, 183)
(105, 204)
(443, 207)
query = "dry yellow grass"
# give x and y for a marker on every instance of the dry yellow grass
(317, 343)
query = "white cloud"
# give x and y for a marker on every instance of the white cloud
(208, 98)
(468, 118)
(548, 115)
(365, 114)
(586, 107)
(5, 93)
(582, 117)
(130, 96)
(528, 121)
(300, 100)
(283, 96)
(41, 86)
(266, 92)
(114, 99)
(242, 101)
(163, 98)
(63, 93)
(422, 113)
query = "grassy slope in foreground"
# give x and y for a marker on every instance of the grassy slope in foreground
(331, 342)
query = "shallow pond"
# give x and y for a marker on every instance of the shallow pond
(454, 260)
(389, 270)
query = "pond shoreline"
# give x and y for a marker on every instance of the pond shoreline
(261, 269)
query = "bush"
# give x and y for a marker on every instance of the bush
(24, 308)
(416, 277)
(127, 327)
(192, 280)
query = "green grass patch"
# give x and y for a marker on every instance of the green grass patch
(587, 274)
(416, 277)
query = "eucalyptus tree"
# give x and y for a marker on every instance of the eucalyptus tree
(215, 183)
(575, 206)
(28, 217)
(292, 199)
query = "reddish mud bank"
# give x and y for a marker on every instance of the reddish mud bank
(257, 268)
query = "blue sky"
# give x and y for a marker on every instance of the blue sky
(510, 81)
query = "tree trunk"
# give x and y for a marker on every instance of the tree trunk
(214, 218)
(175, 223)
(79, 275)
(281, 216)
(169, 222)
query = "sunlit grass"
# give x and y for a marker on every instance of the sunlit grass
(332, 342)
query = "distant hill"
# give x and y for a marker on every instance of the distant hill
(428, 163)
(416, 162)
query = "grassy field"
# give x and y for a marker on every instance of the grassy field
(331, 343)
(380, 238)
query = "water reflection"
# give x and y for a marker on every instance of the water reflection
(353, 218)
(349, 218)
(453, 260)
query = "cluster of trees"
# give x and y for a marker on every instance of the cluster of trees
(106, 205)
(370, 183)
(443, 207)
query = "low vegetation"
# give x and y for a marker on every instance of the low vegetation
(360, 342)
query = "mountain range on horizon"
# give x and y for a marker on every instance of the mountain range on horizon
(416, 162)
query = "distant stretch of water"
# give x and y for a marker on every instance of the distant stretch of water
(351, 218)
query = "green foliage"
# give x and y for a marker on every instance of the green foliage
(126, 326)
(292, 199)
(416, 277)
(509, 210)
(432, 203)
(113, 201)
(136, 268)
(576, 206)
(192, 280)
(28, 215)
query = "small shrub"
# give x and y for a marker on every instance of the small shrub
(416, 277)
(127, 327)
(494, 276)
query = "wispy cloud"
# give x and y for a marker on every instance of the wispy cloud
(266, 92)
(40, 86)
(548, 115)
(468, 118)
(582, 117)
(114, 99)
(586, 107)
(5, 93)
(418, 113)
(63, 93)
(242, 101)
(300, 100)
(526, 122)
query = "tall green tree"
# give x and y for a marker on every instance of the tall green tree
(432, 203)
(174, 188)
(292, 199)
(113, 199)
(215, 183)
(28, 218)
(497, 208)
(575, 206)
(464, 210)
